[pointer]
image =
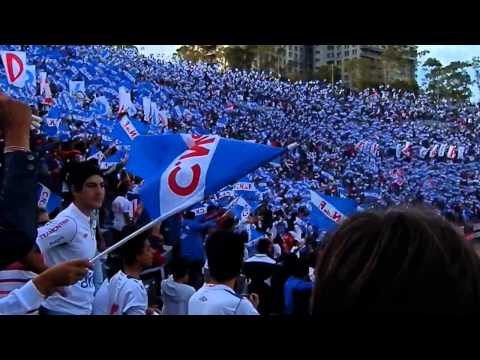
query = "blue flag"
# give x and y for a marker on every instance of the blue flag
(126, 130)
(46, 199)
(328, 211)
(181, 170)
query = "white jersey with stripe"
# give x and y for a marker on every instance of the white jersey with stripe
(71, 235)
(126, 296)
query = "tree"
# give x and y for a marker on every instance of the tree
(240, 57)
(448, 82)
(324, 73)
(205, 53)
(363, 73)
(395, 60)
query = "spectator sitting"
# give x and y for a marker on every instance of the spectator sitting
(174, 291)
(404, 259)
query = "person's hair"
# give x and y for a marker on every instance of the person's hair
(263, 245)
(80, 172)
(404, 259)
(129, 251)
(179, 268)
(225, 252)
(122, 188)
(189, 215)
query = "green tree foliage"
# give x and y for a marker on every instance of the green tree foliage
(448, 82)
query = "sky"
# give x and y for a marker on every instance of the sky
(444, 53)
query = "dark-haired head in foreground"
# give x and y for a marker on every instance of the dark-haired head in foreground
(403, 260)
(225, 252)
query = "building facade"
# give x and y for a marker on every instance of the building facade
(304, 58)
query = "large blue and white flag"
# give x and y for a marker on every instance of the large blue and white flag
(46, 199)
(329, 211)
(181, 170)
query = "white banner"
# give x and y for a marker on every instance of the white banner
(129, 128)
(443, 149)
(15, 63)
(244, 186)
(31, 76)
(76, 87)
(147, 109)
(327, 208)
(125, 102)
(200, 211)
(452, 152)
(164, 115)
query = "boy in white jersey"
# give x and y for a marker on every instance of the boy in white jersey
(124, 293)
(71, 235)
(225, 252)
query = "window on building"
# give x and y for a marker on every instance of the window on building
(338, 62)
(330, 62)
(317, 51)
(339, 54)
(331, 47)
(345, 46)
(354, 52)
(347, 53)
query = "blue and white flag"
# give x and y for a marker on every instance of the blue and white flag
(181, 170)
(46, 199)
(126, 130)
(75, 87)
(31, 76)
(328, 211)
(101, 107)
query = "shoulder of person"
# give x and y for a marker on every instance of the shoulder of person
(245, 307)
(61, 225)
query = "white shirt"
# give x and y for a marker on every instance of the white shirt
(100, 303)
(219, 300)
(22, 300)
(69, 236)
(126, 296)
(120, 206)
(261, 258)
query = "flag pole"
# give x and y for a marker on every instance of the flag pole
(131, 236)
(155, 221)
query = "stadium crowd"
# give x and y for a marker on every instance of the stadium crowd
(379, 147)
